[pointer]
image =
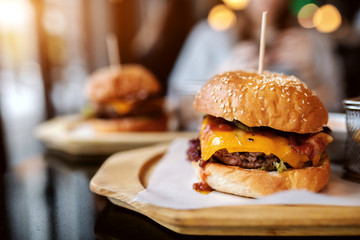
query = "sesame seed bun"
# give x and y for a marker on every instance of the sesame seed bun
(135, 88)
(270, 99)
(255, 183)
(129, 80)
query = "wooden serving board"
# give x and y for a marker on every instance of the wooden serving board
(61, 133)
(125, 174)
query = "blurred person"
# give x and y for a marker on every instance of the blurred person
(290, 49)
(357, 23)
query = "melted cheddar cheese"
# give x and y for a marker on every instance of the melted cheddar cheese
(217, 134)
(121, 107)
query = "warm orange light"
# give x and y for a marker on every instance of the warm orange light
(327, 18)
(305, 15)
(236, 4)
(221, 18)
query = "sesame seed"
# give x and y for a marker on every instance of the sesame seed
(241, 112)
(282, 95)
(224, 110)
(299, 108)
(304, 120)
(308, 103)
(222, 106)
(260, 97)
(272, 89)
(302, 101)
(260, 121)
(240, 96)
(230, 94)
(256, 92)
(234, 109)
(288, 99)
(262, 109)
(287, 93)
(250, 83)
(212, 93)
(305, 94)
(227, 104)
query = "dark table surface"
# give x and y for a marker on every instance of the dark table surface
(48, 197)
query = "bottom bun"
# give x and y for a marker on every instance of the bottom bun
(130, 124)
(257, 183)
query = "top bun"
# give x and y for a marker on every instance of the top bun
(129, 80)
(270, 99)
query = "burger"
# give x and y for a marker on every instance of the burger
(126, 99)
(261, 134)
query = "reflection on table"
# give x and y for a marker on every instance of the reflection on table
(44, 198)
(48, 197)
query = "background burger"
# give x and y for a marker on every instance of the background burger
(125, 98)
(261, 134)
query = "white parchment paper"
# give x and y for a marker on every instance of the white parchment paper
(170, 186)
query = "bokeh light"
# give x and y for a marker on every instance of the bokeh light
(297, 5)
(54, 21)
(327, 18)
(221, 18)
(305, 15)
(14, 14)
(236, 4)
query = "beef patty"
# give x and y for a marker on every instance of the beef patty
(250, 160)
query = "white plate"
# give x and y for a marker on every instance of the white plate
(74, 135)
(337, 124)
(336, 149)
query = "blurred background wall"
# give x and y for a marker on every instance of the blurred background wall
(49, 47)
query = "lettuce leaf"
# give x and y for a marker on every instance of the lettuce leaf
(278, 166)
(88, 111)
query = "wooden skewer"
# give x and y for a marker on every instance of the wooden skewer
(113, 50)
(262, 43)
